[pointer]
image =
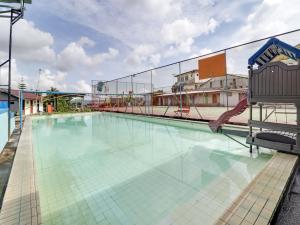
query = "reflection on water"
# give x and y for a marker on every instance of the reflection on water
(123, 171)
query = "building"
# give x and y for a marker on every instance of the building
(187, 80)
(32, 103)
(216, 91)
(209, 85)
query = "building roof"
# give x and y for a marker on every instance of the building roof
(181, 74)
(202, 92)
(26, 95)
(271, 49)
(204, 81)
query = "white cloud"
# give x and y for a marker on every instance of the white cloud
(266, 19)
(74, 55)
(204, 51)
(16, 76)
(155, 59)
(85, 41)
(181, 34)
(152, 32)
(29, 42)
(178, 31)
(149, 8)
(48, 79)
(170, 26)
(140, 54)
(83, 86)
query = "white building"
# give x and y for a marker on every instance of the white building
(217, 91)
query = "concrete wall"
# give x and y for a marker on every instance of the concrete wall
(35, 105)
(233, 98)
(217, 83)
(41, 108)
(27, 107)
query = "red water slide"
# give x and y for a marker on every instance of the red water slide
(225, 117)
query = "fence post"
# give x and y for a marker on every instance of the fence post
(9, 74)
(151, 92)
(180, 87)
(227, 89)
(298, 124)
(131, 97)
(117, 96)
(21, 109)
(145, 96)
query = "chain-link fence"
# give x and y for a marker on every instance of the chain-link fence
(201, 88)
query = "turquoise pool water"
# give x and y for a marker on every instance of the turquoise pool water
(105, 168)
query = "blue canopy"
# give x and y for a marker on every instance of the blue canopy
(271, 49)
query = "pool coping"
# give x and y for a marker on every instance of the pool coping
(178, 119)
(258, 202)
(21, 201)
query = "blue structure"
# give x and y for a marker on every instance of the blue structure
(3, 105)
(270, 50)
(4, 123)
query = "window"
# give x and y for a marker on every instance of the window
(186, 78)
(210, 84)
(234, 83)
(221, 83)
(182, 79)
(12, 103)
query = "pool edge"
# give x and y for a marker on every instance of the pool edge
(21, 200)
(258, 202)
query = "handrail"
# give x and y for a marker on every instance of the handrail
(227, 135)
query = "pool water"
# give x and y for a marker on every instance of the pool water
(104, 168)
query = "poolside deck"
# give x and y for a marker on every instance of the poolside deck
(258, 202)
(213, 113)
(21, 200)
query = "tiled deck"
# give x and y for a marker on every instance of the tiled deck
(259, 200)
(21, 203)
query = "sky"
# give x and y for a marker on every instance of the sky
(66, 44)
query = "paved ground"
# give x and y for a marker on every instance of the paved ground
(290, 211)
(21, 200)
(281, 115)
(6, 161)
(259, 200)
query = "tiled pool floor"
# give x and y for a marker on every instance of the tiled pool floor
(164, 175)
(148, 198)
(105, 169)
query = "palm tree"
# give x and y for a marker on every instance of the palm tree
(52, 98)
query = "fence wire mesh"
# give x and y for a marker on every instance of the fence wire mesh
(182, 90)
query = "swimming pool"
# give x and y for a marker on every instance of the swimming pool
(107, 168)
